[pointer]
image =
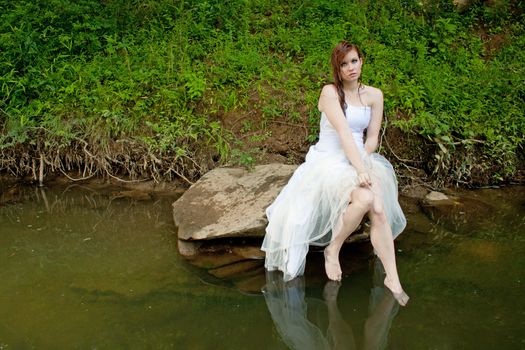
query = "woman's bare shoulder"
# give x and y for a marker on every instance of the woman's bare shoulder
(328, 97)
(329, 90)
(374, 95)
(373, 91)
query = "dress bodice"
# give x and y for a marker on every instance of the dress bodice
(358, 118)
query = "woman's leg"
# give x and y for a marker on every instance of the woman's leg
(383, 243)
(361, 201)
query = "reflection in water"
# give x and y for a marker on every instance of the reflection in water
(288, 308)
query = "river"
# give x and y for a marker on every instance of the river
(90, 268)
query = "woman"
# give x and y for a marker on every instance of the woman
(341, 180)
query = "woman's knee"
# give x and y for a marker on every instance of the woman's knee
(378, 217)
(363, 197)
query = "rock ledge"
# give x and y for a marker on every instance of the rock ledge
(229, 202)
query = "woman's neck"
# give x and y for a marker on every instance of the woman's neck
(351, 87)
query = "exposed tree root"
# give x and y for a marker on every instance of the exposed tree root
(128, 160)
(122, 160)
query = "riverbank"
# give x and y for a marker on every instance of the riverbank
(163, 92)
(413, 182)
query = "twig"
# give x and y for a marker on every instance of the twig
(182, 176)
(73, 179)
(194, 162)
(399, 158)
(409, 167)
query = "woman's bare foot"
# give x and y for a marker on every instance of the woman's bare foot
(397, 291)
(331, 264)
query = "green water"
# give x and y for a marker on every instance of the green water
(81, 268)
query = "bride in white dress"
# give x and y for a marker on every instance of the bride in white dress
(341, 180)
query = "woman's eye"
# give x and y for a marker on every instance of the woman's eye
(354, 61)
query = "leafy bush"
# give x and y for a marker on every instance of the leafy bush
(164, 76)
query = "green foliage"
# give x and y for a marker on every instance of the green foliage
(164, 72)
(244, 158)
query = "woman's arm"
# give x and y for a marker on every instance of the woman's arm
(329, 104)
(372, 132)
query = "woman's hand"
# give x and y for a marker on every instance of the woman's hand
(364, 179)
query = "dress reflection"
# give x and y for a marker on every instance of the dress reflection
(288, 308)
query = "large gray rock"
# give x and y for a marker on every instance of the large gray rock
(229, 202)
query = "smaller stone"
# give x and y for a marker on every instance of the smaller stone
(436, 196)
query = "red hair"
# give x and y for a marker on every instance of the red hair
(338, 54)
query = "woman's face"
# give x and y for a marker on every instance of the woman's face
(351, 66)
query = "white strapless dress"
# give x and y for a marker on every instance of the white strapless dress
(308, 208)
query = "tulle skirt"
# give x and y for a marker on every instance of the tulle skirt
(309, 207)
